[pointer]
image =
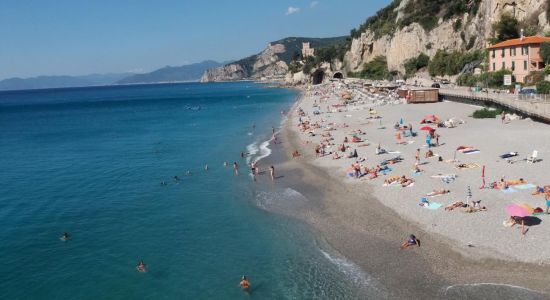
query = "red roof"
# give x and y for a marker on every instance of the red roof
(536, 39)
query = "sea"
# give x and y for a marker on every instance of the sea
(121, 169)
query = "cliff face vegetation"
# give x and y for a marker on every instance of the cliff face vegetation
(272, 62)
(407, 28)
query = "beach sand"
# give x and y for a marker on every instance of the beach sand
(366, 222)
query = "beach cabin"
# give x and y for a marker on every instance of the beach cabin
(420, 94)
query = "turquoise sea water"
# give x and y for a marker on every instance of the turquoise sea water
(90, 162)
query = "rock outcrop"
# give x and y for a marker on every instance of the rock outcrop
(412, 40)
(266, 64)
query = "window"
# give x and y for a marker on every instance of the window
(511, 52)
(494, 53)
(494, 67)
(513, 65)
(503, 65)
(527, 50)
(525, 65)
(514, 51)
(502, 54)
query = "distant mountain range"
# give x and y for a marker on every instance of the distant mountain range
(62, 81)
(192, 72)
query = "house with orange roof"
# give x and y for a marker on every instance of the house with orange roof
(521, 56)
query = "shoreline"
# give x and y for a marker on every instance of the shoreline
(367, 232)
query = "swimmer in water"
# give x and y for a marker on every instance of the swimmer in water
(188, 173)
(140, 266)
(244, 284)
(64, 237)
(163, 183)
(225, 164)
(206, 167)
(176, 178)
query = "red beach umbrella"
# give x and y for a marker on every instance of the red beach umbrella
(426, 128)
(522, 211)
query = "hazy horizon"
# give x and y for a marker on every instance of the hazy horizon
(79, 38)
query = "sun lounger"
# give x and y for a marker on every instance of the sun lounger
(534, 157)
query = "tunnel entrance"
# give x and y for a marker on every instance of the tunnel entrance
(318, 77)
(338, 75)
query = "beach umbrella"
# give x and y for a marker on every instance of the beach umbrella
(426, 128)
(519, 210)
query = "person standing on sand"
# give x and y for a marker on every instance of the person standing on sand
(272, 172)
(417, 156)
(502, 117)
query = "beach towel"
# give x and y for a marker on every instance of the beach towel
(386, 171)
(508, 155)
(525, 186)
(509, 190)
(433, 205)
(448, 179)
(394, 152)
(416, 173)
(471, 151)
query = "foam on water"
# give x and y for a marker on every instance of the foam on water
(491, 291)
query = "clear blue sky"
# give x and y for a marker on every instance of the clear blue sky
(76, 37)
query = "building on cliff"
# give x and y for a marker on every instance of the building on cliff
(307, 51)
(521, 56)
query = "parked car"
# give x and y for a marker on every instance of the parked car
(445, 81)
(527, 91)
(436, 85)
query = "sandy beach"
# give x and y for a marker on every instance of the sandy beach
(367, 221)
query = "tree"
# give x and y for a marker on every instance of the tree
(545, 52)
(543, 87)
(506, 28)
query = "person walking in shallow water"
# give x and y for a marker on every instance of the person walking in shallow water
(272, 172)
(236, 168)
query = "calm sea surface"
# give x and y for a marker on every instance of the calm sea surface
(90, 161)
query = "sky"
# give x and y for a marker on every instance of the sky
(78, 37)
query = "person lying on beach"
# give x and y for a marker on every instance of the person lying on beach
(295, 154)
(380, 150)
(475, 207)
(515, 182)
(416, 168)
(335, 155)
(411, 241)
(437, 192)
(405, 182)
(454, 205)
(541, 190)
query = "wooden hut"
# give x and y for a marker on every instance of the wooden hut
(421, 95)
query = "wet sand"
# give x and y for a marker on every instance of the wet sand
(358, 226)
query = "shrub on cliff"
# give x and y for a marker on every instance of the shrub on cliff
(451, 63)
(543, 87)
(416, 63)
(506, 28)
(377, 69)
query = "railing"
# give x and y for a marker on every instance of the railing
(532, 105)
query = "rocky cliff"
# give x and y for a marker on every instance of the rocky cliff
(272, 62)
(470, 32)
